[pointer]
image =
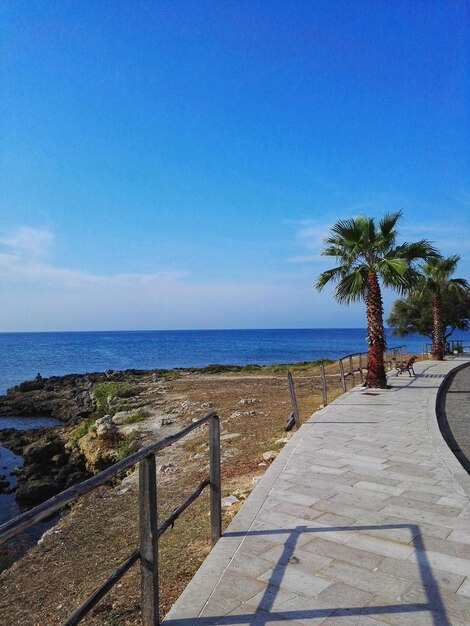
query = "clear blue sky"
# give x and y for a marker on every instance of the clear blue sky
(176, 164)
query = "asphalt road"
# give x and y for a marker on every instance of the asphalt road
(454, 415)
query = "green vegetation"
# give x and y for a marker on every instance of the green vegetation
(217, 368)
(414, 314)
(138, 416)
(82, 429)
(366, 251)
(126, 446)
(110, 389)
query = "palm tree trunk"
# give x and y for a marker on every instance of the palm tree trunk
(438, 330)
(375, 335)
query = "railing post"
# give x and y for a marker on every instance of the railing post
(293, 399)
(351, 370)
(341, 374)
(148, 541)
(360, 368)
(323, 384)
(215, 481)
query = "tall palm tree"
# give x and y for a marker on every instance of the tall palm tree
(436, 280)
(366, 251)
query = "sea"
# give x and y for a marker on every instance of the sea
(24, 355)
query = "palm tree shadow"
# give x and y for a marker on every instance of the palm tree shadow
(266, 613)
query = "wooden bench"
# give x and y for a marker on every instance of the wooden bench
(407, 366)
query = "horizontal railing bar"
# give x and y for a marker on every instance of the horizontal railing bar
(47, 508)
(170, 520)
(346, 356)
(93, 599)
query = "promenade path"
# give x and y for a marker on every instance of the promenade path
(363, 519)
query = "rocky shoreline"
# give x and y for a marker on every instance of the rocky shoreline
(48, 467)
(56, 458)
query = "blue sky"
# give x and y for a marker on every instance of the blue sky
(176, 164)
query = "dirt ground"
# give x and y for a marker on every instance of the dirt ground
(101, 529)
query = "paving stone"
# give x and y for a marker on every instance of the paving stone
(380, 546)
(445, 562)
(235, 584)
(420, 574)
(345, 553)
(296, 578)
(464, 588)
(400, 613)
(316, 610)
(374, 582)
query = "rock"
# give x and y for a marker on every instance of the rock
(262, 464)
(229, 501)
(39, 452)
(31, 385)
(73, 479)
(129, 429)
(32, 470)
(270, 455)
(99, 452)
(235, 414)
(255, 479)
(34, 492)
(105, 427)
(229, 436)
(118, 418)
(167, 468)
(166, 421)
(282, 440)
(206, 405)
(248, 401)
(60, 459)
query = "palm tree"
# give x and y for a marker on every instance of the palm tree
(366, 252)
(436, 280)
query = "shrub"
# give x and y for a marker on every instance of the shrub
(82, 429)
(102, 391)
(126, 446)
(138, 416)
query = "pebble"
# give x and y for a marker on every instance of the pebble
(270, 455)
(229, 501)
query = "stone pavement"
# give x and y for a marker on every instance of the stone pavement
(363, 519)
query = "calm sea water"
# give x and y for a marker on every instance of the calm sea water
(23, 355)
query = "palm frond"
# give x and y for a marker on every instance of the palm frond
(422, 249)
(332, 275)
(459, 284)
(387, 232)
(352, 286)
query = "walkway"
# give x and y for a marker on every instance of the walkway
(363, 519)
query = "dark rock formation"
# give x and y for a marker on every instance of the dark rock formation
(68, 398)
(48, 467)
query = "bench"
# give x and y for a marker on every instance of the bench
(406, 366)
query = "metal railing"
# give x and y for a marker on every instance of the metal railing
(454, 346)
(347, 368)
(356, 363)
(149, 530)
